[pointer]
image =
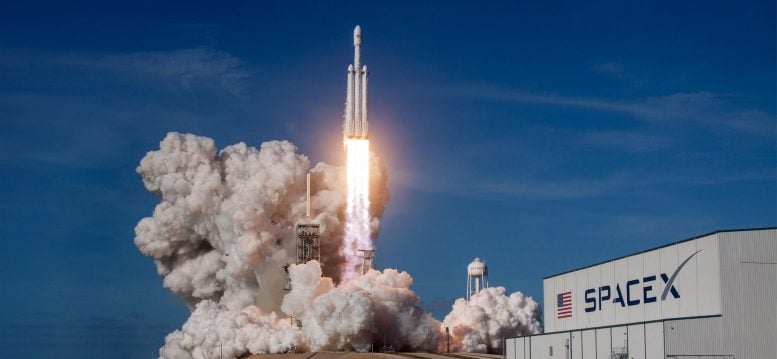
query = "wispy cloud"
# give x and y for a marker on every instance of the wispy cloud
(538, 188)
(183, 70)
(613, 184)
(616, 70)
(700, 108)
(663, 123)
(612, 68)
(83, 108)
(632, 141)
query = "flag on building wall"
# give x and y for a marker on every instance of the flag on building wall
(564, 305)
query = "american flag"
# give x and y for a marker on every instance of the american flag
(564, 305)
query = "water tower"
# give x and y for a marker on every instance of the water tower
(477, 277)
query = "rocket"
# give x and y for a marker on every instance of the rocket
(355, 117)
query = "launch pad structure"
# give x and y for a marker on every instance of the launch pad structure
(308, 243)
(308, 246)
(368, 260)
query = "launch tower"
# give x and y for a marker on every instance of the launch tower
(368, 260)
(308, 245)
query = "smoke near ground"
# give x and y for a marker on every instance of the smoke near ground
(491, 315)
(223, 230)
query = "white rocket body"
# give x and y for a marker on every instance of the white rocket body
(355, 122)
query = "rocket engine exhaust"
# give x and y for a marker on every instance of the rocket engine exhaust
(357, 216)
(224, 229)
(357, 147)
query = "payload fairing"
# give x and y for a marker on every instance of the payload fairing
(355, 118)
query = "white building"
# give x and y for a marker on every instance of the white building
(712, 296)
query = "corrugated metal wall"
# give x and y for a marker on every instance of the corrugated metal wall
(654, 340)
(640, 341)
(746, 328)
(749, 279)
(694, 336)
(698, 284)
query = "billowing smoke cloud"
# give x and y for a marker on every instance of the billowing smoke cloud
(350, 316)
(213, 329)
(223, 231)
(346, 317)
(480, 324)
(224, 227)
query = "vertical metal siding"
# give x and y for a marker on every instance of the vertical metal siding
(589, 344)
(636, 269)
(698, 285)
(619, 339)
(654, 340)
(540, 346)
(749, 283)
(570, 281)
(576, 350)
(694, 336)
(603, 347)
(621, 271)
(734, 275)
(747, 327)
(594, 280)
(527, 346)
(687, 281)
(651, 266)
(637, 341)
(708, 284)
(549, 307)
(607, 276)
(578, 306)
(669, 261)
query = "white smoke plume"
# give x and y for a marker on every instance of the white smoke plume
(346, 317)
(480, 324)
(223, 231)
(224, 227)
(213, 329)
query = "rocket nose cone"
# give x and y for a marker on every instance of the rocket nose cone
(357, 35)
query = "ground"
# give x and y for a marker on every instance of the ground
(353, 355)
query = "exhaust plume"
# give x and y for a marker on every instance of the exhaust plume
(223, 231)
(357, 217)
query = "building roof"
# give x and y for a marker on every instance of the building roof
(662, 246)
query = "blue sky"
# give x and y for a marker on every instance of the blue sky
(540, 137)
